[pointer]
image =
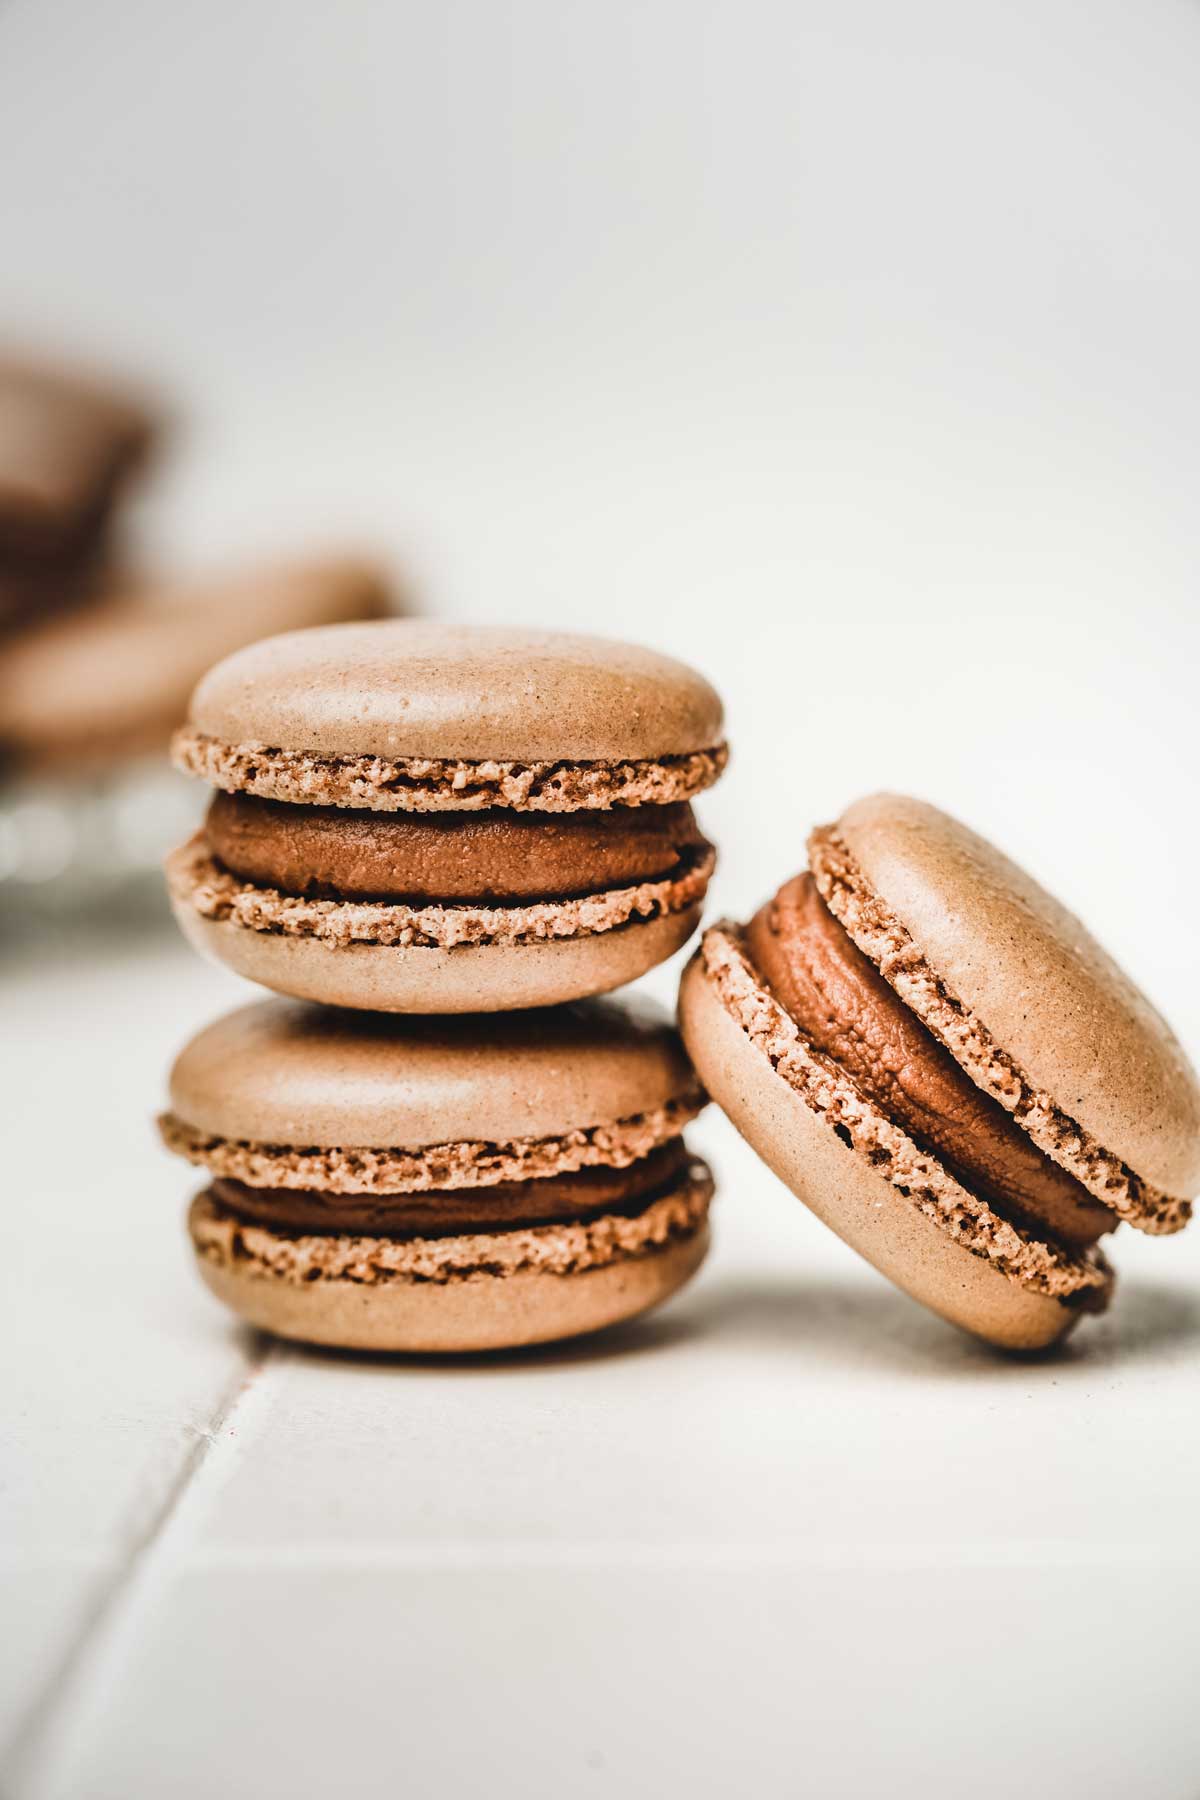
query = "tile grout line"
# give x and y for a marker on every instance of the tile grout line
(29, 1754)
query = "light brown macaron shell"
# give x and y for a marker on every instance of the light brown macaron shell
(367, 715)
(559, 1281)
(412, 716)
(283, 1096)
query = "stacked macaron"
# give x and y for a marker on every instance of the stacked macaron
(467, 1183)
(941, 1061)
(413, 819)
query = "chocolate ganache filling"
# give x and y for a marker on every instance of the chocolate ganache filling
(546, 1200)
(851, 1015)
(499, 857)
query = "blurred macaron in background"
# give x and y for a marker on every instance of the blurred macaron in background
(101, 644)
(71, 444)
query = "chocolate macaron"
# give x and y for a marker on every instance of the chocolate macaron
(440, 1184)
(69, 444)
(938, 1058)
(416, 817)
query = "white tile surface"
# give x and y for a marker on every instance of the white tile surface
(112, 1374)
(46, 1607)
(642, 1680)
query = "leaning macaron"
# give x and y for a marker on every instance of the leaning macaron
(415, 817)
(939, 1059)
(395, 1184)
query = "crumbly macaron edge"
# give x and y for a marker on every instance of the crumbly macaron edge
(429, 784)
(886, 941)
(566, 1249)
(196, 879)
(471, 1163)
(917, 1178)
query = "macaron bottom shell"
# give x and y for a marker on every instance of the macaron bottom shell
(915, 1251)
(493, 1305)
(464, 978)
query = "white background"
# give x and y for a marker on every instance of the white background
(851, 352)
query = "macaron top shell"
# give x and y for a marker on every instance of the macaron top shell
(1008, 959)
(415, 688)
(287, 1073)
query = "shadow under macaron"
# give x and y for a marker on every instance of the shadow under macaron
(644, 1336)
(876, 1328)
(850, 1323)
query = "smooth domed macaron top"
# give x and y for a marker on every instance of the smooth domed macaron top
(285, 1073)
(1049, 995)
(414, 688)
